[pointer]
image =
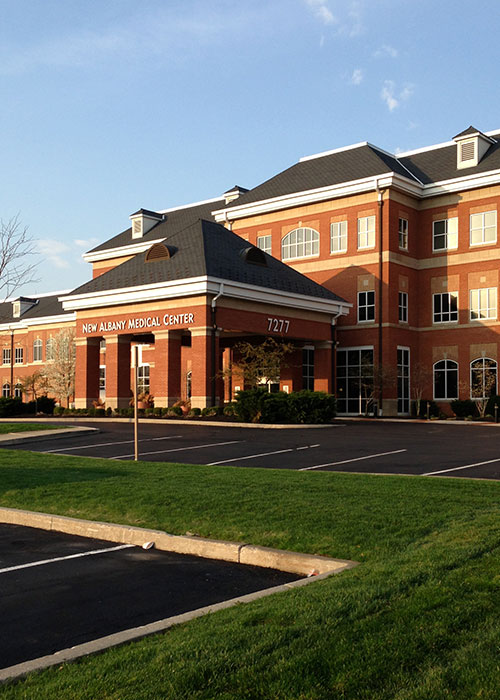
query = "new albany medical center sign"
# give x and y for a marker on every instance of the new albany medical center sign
(136, 324)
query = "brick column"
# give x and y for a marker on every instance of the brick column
(87, 371)
(202, 373)
(118, 392)
(323, 366)
(166, 379)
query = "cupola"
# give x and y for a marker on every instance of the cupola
(472, 144)
(143, 221)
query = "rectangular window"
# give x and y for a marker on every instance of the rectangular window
(483, 303)
(19, 356)
(445, 234)
(338, 237)
(483, 228)
(308, 368)
(264, 243)
(366, 306)
(403, 234)
(445, 307)
(355, 386)
(37, 350)
(403, 380)
(102, 381)
(403, 307)
(6, 356)
(366, 232)
(143, 379)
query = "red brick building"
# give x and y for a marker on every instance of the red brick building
(391, 259)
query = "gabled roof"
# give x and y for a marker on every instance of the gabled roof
(46, 306)
(173, 220)
(343, 165)
(205, 249)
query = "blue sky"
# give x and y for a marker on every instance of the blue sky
(113, 105)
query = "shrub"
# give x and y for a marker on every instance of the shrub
(109, 411)
(490, 408)
(277, 408)
(164, 411)
(463, 408)
(248, 405)
(100, 412)
(230, 409)
(194, 412)
(10, 406)
(210, 411)
(433, 409)
(157, 411)
(45, 404)
(175, 411)
(313, 406)
(58, 410)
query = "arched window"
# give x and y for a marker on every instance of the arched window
(189, 376)
(483, 378)
(445, 380)
(300, 243)
(6, 389)
(49, 349)
(37, 350)
(18, 391)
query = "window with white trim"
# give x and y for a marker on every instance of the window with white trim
(49, 349)
(300, 243)
(366, 232)
(403, 307)
(6, 356)
(403, 234)
(366, 306)
(445, 307)
(355, 380)
(483, 378)
(6, 389)
(483, 303)
(308, 368)
(403, 380)
(102, 381)
(18, 391)
(445, 234)
(338, 237)
(19, 356)
(37, 350)
(264, 243)
(483, 228)
(445, 380)
(143, 379)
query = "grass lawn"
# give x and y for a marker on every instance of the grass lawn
(419, 619)
(25, 427)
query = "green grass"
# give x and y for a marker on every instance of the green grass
(420, 619)
(25, 427)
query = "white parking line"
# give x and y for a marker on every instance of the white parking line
(108, 444)
(69, 556)
(261, 454)
(466, 466)
(180, 449)
(347, 461)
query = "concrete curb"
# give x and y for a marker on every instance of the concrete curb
(43, 435)
(175, 421)
(313, 567)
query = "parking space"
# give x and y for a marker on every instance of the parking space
(385, 447)
(58, 591)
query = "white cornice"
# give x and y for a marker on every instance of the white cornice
(131, 249)
(203, 286)
(296, 199)
(458, 184)
(42, 321)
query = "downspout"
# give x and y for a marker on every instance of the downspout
(380, 194)
(213, 359)
(228, 224)
(333, 336)
(11, 363)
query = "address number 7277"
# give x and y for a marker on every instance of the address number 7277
(278, 325)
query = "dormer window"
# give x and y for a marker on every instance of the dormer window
(143, 221)
(21, 305)
(471, 147)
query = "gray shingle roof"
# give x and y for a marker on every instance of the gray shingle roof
(172, 222)
(343, 166)
(204, 248)
(46, 306)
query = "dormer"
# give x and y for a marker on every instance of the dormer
(472, 144)
(143, 221)
(234, 193)
(21, 305)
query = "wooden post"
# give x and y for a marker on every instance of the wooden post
(136, 413)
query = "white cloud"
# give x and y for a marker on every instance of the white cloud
(386, 50)
(393, 97)
(357, 76)
(322, 11)
(86, 242)
(54, 252)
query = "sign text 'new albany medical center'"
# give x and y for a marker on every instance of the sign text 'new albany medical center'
(134, 324)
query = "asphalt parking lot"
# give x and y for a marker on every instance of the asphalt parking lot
(431, 449)
(58, 591)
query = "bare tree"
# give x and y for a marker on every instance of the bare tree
(483, 386)
(421, 379)
(60, 370)
(34, 384)
(17, 256)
